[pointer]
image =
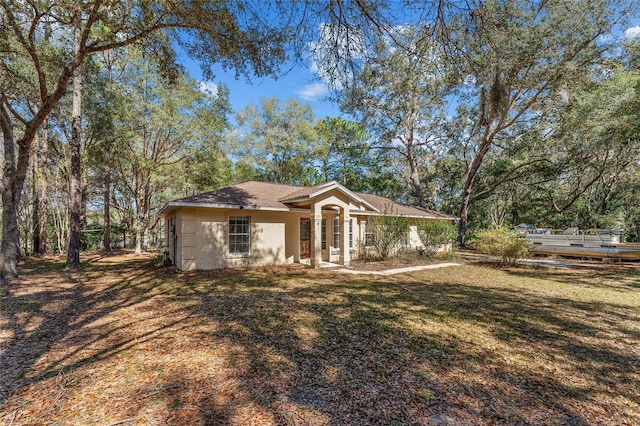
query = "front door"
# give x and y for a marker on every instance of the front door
(305, 238)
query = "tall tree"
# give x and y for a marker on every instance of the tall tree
(230, 37)
(518, 54)
(106, 116)
(344, 153)
(75, 187)
(40, 189)
(399, 96)
(166, 123)
(279, 140)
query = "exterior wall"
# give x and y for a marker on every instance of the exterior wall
(415, 242)
(292, 235)
(203, 238)
(186, 232)
(413, 238)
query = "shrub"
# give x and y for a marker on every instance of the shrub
(364, 253)
(388, 233)
(435, 234)
(503, 243)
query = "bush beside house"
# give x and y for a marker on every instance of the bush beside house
(503, 243)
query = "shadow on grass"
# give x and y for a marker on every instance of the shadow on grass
(361, 363)
(60, 309)
(318, 348)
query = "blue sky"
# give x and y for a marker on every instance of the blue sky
(298, 83)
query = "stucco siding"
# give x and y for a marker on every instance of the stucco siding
(414, 238)
(292, 237)
(268, 239)
(211, 237)
(203, 238)
(415, 242)
(185, 228)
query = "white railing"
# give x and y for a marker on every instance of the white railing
(575, 236)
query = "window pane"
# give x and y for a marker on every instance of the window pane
(305, 229)
(336, 232)
(239, 235)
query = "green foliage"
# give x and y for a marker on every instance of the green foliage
(278, 140)
(434, 235)
(389, 231)
(399, 94)
(503, 243)
(344, 154)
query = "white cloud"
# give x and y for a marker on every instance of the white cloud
(312, 92)
(632, 32)
(208, 87)
(605, 38)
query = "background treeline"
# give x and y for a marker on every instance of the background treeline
(497, 112)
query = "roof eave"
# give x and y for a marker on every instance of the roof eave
(173, 205)
(410, 216)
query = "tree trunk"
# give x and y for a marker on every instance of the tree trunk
(44, 189)
(41, 193)
(414, 178)
(106, 240)
(138, 235)
(145, 238)
(35, 196)
(75, 190)
(465, 200)
(10, 246)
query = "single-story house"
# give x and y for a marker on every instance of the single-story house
(258, 223)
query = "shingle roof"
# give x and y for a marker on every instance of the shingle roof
(303, 191)
(254, 194)
(386, 205)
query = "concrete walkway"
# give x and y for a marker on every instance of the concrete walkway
(546, 262)
(388, 272)
(476, 258)
(323, 264)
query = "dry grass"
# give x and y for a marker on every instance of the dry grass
(129, 342)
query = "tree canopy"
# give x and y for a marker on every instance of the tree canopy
(499, 112)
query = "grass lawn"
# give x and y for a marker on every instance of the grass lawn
(127, 341)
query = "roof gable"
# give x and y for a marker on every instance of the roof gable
(309, 193)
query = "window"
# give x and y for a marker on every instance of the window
(323, 234)
(336, 232)
(369, 235)
(350, 233)
(239, 234)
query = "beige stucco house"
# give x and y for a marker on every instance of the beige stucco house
(257, 223)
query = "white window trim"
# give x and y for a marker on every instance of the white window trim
(228, 237)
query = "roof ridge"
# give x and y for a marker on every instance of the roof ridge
(265, 183)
